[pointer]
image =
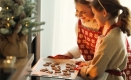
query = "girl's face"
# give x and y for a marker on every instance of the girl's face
(83, 12)
(99, 17)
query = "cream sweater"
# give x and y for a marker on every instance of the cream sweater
(111, 54)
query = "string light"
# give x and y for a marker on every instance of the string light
(26, 24)
(12, 17)
(0, 8)
(8, 61)
(8, 18)
(7, 8)
(8, 25)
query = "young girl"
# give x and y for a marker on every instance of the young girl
(110, 57)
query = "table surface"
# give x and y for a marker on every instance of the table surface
(19, 66)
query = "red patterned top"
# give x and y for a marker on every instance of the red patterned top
(86, 40)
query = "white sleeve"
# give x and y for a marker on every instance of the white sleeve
(75, 52)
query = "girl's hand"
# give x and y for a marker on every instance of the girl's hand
(83, 64)
(77, 68)
(80, 64)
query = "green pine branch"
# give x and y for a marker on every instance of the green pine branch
(16, 12)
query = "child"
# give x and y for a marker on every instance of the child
(110, 57)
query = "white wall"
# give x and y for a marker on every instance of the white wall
(64, 36)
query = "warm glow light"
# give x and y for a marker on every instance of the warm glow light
(8, 24)
(7, 7)
(26, 24)
(8, 61)
(8, 18)
(0, 8)
(10, 57)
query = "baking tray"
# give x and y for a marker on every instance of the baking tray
(62, 63)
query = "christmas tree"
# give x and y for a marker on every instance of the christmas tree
(17, 15)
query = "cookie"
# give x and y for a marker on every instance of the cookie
(52, 65)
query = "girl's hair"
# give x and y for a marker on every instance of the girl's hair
(82, 2)
(113, 7)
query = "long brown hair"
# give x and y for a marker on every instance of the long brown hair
(113, 7)
(84, 2)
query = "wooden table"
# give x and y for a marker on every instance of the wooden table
(22, 67)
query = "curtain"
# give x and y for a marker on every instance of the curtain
(64, 36)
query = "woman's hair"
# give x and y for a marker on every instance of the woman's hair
(82, 2)
(113, 7)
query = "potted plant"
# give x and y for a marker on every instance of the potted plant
(16, 21)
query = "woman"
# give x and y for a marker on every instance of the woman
(87, 32)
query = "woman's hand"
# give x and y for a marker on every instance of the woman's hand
(59, 57)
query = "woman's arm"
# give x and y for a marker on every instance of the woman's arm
(68, 54)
